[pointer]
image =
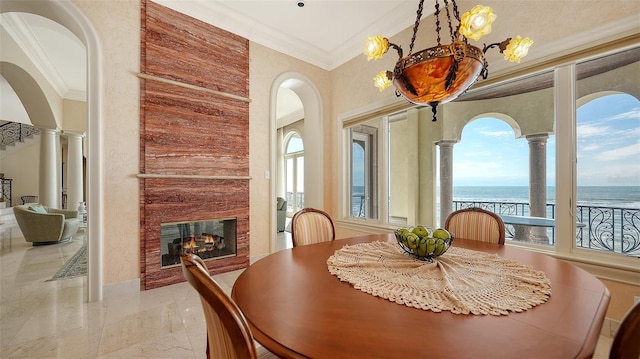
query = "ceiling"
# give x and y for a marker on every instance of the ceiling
(324, 33)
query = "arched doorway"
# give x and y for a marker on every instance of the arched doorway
(69, 16)
(313, 123)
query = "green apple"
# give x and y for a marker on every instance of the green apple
(421, 231)
(431, 245)
(403, 231)
(441, 247)
(412, 240)
(422, 247)
(441, 233)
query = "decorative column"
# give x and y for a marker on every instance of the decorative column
(49, 191)
(446, 179)
(75, 180)
(538, 183)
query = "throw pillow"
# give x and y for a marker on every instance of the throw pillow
(38, 209)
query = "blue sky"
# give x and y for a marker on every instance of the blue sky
(608, 148)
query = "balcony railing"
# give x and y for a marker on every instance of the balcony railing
(13, 132)
(611, 229)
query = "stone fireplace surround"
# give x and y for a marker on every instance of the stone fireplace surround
(194, 120)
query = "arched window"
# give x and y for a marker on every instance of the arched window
(294, 171)
(608, 172)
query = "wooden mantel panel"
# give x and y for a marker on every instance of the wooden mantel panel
(186, 131)
(181, 48)
(190, 132)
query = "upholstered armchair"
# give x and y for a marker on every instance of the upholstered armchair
(44, 225)
(281, 208)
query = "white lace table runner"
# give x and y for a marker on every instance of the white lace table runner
(461, 281)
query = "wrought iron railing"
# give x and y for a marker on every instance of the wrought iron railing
(612, 229)
(13, 132)
(289, 198)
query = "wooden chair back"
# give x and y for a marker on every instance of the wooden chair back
(228, 334)
(477, 224)
(626, 343)
(310, 225)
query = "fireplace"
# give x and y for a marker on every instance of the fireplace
(210, 240)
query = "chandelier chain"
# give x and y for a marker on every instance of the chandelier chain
(415, 25)
(455, 11)
(456, 14)
(446, 5)
(437, 15)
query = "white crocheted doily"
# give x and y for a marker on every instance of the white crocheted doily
(461, 281)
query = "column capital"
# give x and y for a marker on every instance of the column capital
(74, 134)
(539, 137)
(446, 143)
(53, 131)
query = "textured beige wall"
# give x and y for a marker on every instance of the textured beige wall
(621, 298)
(265, 66)
(74, 116)
(117, 24)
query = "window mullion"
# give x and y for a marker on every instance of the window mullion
(565, 121)
(383, 170)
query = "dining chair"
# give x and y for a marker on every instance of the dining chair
(477, 224)
(626, 342)
(228, 334)
(310, 225)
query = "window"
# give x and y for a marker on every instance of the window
(364, 174)
(376, 145)
(294, 172)
(608, 148)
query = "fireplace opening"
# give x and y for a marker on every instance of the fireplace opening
(209, 239)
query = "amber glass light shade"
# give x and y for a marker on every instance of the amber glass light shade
(422, 77)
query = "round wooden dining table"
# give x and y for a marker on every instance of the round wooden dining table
(297, 309)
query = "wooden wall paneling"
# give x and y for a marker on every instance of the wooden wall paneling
(190, 132)
(182, 48)
(187, 134)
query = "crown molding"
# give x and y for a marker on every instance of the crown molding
(19, 31)
(219, 15)
(595, 36)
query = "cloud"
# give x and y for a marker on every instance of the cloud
(496, 133)
(632, 150)
(633, 114)
(590, 130)
(591, 147)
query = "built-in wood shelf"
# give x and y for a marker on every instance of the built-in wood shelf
(148, 175)
(193, 87)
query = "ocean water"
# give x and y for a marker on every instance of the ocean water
(598, 196)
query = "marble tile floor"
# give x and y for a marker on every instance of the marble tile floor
(51, 319)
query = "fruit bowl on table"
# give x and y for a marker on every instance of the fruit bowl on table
(423, 242)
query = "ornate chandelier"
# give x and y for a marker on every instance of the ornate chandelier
(442, 73)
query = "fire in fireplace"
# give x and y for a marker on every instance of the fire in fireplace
(210, 239)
